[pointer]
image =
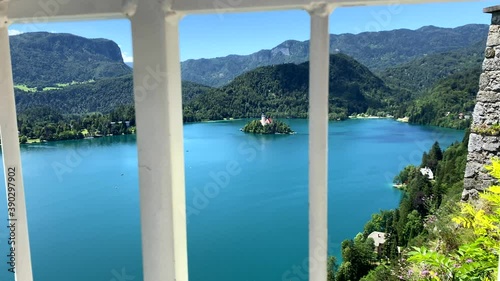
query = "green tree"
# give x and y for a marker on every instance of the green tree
(331, 268)
(435, 155)
(23, 139)
(358, 258)
(409, 172)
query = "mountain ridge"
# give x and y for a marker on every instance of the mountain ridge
(392, 48)
(278, 89)
(64, 58)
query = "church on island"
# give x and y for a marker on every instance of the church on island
(267, 126)
(265, 121)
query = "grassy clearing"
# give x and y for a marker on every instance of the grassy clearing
(59, 86)
(50, 88)
(56, 86)
(33, 141)
(25, 88)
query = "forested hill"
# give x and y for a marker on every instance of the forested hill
(442, 104)
(376, 50)
(422, 73)
(282, 91)
(101, 96)
(438, 89)
(42, 59)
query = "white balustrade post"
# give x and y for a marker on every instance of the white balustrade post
(158, 104)
(319, 55)
(19, 250)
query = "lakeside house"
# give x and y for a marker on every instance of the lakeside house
(378, 240)
(127, 123)
(461, 115)
(427, 172)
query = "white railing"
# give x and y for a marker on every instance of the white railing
(157, 92)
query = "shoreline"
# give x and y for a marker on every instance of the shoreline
(215, 121)
(38, 141)
(399, 186)
(369, 117)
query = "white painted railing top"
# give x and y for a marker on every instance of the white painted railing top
(32, 11)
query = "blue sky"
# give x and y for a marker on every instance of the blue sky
(208, 36)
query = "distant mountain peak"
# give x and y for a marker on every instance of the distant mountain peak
(428, 27)
(283, 50)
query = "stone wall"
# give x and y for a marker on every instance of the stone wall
(483, 147)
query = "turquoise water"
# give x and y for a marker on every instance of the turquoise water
(83, 205)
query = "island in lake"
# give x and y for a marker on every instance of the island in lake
(267, 126)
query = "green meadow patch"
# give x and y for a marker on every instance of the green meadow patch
(25, 88)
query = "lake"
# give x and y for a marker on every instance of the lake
(83, 199)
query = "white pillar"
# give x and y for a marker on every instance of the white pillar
(158, 104)
(12, 166)
(318, 142)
